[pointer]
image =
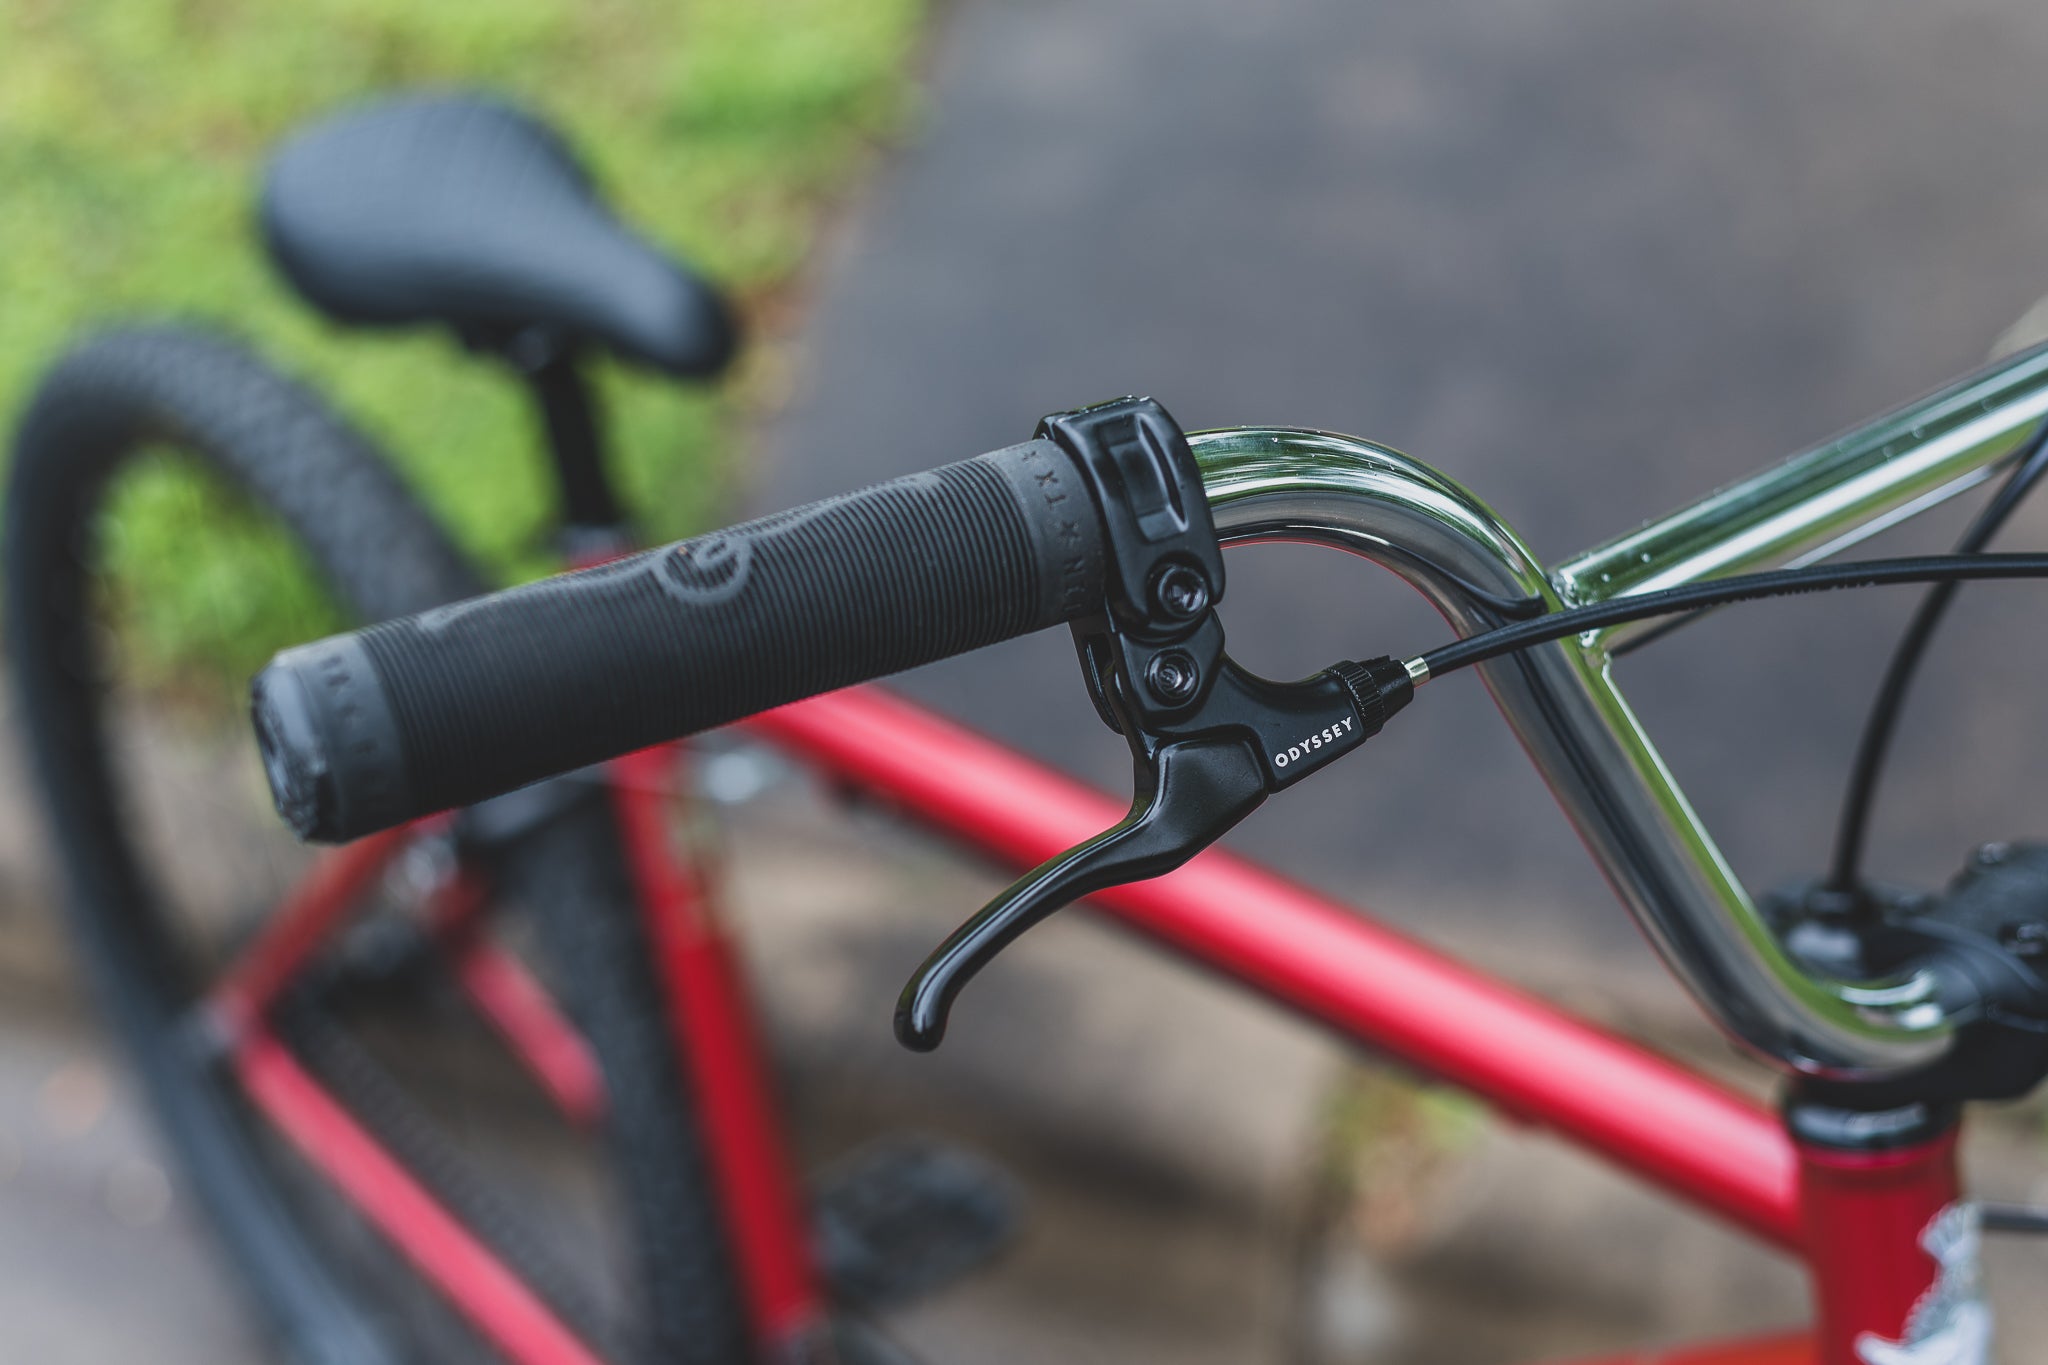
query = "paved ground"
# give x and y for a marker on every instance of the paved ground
(99, 1259)
(1590, 257)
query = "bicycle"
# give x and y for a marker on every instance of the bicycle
(1891, 1014)
(464, 702)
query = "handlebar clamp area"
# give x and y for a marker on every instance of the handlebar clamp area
(1982, 944)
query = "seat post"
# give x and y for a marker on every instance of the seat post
(569, 417)
(576, 443)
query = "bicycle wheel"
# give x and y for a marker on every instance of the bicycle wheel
(176, 869)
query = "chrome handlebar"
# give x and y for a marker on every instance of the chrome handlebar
(1560, 698)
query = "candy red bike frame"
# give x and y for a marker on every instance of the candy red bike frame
(1881, 1227)
(1856, 1223)
(1716, 1150)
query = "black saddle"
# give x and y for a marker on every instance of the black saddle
(464, 210)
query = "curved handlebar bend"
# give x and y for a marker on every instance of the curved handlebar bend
(1317, 488)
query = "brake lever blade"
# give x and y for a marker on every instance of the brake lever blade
(1191, 792)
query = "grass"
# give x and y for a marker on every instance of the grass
(132, 135)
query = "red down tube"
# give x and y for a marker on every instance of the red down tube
(1645, 1113)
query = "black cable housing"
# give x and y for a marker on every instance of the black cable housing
(2021, 1218)
(1871, 573)
(1873, 746)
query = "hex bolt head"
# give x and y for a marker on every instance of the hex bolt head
(1180, 592)
(1172, 676)
(2028, 940)
(1992, 854)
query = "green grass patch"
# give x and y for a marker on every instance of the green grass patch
(132, 136)
(232, 606)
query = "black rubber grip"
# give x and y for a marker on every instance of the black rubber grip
(365, 730)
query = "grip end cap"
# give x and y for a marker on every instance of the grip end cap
(301, 782)
(331, 748)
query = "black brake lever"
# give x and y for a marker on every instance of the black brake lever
(1197, 791)
(1209, 740)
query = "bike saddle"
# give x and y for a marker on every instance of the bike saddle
(464, 210)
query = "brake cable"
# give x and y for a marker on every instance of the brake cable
(2025, 1219)
(1868, 573)
(1873, 746)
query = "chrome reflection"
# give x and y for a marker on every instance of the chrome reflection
(1561, 700)
(1824, 500)
(1268, 484)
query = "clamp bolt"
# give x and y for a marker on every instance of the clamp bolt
(1172, 676)
(1992, 854)
(2027, 941)
(1180, 592)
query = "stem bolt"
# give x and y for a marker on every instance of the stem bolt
(2027, 940)
(1180, 592)
(1172, 676)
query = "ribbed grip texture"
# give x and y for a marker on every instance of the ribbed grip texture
(464, 702)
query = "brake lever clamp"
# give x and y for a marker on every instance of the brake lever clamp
(1209, 740)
